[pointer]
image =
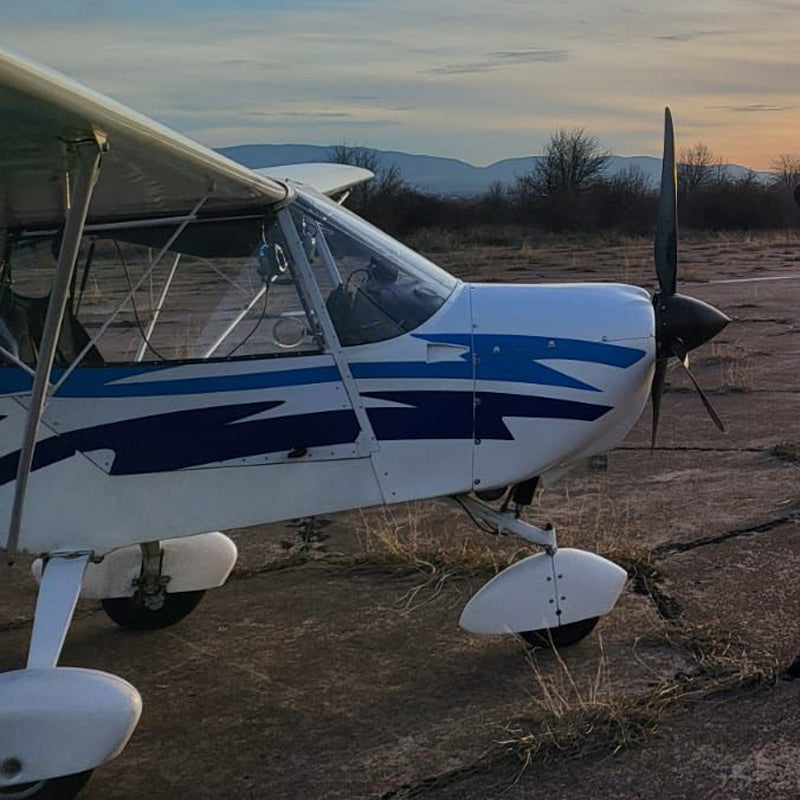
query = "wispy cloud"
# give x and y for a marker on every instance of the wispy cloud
(249, 63)
(528, 56)
(475, 68)
(754, 108)
(688, 36)
(501, 58)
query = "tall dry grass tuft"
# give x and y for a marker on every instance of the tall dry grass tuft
(735, 365)
(594, 521)
(720, 660)
(417, 534)
(571, 717)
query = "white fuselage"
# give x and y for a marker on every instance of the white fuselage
(501, 384)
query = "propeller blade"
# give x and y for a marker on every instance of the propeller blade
(666, 243)
(656, 391)
(706, 402)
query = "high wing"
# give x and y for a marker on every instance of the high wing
(327, 178)
(147, 171)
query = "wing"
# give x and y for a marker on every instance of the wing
(328, 179)
(149, 170)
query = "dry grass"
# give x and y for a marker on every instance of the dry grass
(571, 718)
(439, 240)
(593, 521)
(735, 365)
(418, 534)
(415, 534)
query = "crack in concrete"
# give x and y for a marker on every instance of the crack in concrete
(672, 548)
(407, 791)
(644, 579)
(680, 448)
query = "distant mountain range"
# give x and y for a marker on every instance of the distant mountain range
(447, 176)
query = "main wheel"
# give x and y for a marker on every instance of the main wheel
(64, 788)
(129, 613)
(562, 636)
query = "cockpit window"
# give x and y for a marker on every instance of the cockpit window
(226, 289)
(374, 287)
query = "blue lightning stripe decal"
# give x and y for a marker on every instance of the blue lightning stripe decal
(167, 442)
(199, 437)
(449, 415)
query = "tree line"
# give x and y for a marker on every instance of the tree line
(569, 190)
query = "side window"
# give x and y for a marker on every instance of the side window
(374, 287)
(225, 290)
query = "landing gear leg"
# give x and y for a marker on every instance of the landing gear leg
(551, 599)
(151, 607)
(57, 724)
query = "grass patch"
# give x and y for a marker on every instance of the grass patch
(593, 521)
(735, 365)
(417, 534)
(787, 451)
(570, 718)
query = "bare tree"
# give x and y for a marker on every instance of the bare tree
(786, 172)
(697, 166)
(388, 180)
(572, 160)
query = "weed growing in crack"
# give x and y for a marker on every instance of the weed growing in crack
(787, 451)
(572, 718)
(309, 535)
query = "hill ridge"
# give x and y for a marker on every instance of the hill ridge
(440, 174)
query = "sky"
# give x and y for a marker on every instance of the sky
(478, 80)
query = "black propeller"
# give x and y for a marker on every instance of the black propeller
(682, 323)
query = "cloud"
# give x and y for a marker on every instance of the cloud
(528, 56)
(249, 63)
(754, 108)
(501, 58)
(461, 69)
(688, 36)
(318, 118)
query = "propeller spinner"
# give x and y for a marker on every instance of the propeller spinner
(682, 323)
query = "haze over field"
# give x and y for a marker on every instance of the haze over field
(463, 78)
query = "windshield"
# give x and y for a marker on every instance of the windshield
(374, 287)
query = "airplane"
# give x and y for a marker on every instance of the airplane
(189, 346)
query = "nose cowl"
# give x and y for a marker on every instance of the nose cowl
(684, 323)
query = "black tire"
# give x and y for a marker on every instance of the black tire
(65, 788)
(562, 636)
(134, 616)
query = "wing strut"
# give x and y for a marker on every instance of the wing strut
(366, 442)
(151, 326)
(184, 221)
(88, 167)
